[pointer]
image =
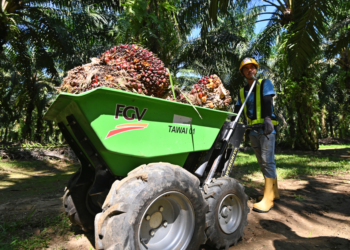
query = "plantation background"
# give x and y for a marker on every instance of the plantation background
(304, 49)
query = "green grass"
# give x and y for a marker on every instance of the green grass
(26, 179)
(334, 146)
(299, 197)
(290, 166)
(19, 233)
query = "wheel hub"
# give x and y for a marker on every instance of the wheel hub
(224, 212)
(156, 220)
(168, 223)
(230, 213)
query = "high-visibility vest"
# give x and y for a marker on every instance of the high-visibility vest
(257, 108)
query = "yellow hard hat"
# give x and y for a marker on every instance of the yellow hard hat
(246, 61)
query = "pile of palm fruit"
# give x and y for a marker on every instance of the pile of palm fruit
(209, 92)
(134, 69)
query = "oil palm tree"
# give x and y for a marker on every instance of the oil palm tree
(304, 23)
(299, 27)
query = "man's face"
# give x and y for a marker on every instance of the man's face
(249, 71)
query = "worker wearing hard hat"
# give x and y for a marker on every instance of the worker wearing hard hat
(259, 110)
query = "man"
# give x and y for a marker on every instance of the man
(259, 110)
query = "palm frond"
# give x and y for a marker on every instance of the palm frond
(307, 33)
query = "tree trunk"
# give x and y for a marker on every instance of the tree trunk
(331, 124)
(5, 136)
(291, 127)
(323, 122)
(39, 126)
(344, 120)
(30, 107)
(306, 137)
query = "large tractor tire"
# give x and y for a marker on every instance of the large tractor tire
(77, 205)
(156, 207)
(228, 210)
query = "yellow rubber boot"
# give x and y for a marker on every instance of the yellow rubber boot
(275, 192)
(267, 202)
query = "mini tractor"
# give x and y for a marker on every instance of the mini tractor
(154, 174)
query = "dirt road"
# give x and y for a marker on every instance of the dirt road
(313, 213)
(319, 221)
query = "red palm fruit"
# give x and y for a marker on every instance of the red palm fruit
(200, 94)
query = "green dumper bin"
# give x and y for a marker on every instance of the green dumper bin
(151, 176)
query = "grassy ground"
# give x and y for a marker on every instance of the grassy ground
(291, 165)
(24, 179)
(335, 146)
(20, 179)
(29, 233)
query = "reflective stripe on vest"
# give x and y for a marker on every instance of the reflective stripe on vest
(258, 106)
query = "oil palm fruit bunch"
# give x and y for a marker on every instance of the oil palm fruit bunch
(126, 67)
(209, 92)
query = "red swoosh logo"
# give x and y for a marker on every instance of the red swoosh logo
(126, 127)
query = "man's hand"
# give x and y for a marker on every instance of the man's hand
(268, 126)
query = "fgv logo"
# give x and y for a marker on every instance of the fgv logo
(122, 110)
(129, 113)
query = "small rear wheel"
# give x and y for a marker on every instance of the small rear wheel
(156, 207)
(228, 210)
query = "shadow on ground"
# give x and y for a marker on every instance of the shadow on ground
(295, 242)
(23, 179)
